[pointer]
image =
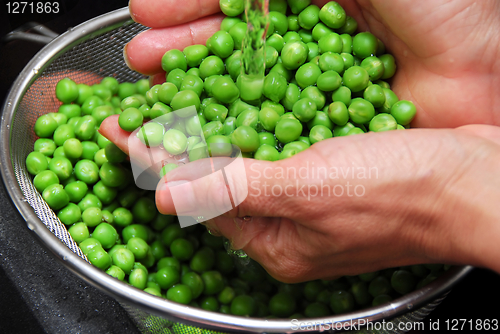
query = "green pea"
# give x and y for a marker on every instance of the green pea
(112, 175)
(105, 234)
(70, 214)
(288, 130)
(130, 119)
(246, 138)
(166, 277)
(36, 162)
(173, 59)
(151, 134)
(63, 133)
(195, 54)
(319, 133)
(192, 82)
(307, 74)
(341, 302)
(364, 45)
(356, 78)
(174, 141)
(45, 146)
(216, 112)
(330, 43)
(70, 110)
(80, 232)
(144, 210)
(267, 152)
(296, 6)
(175, 77)
(338, 114)
(249, 117)
(379, 286)
(292, 95)
(333, 15)
(88, 201)
(116, 272)
(329, 81)
(102, 91)
(375, 95)
(374, 67)
(233, 66)
(126, 89)
(225, 90)
(403, 111)
(104, 193)
(44, 179)
(76, 190)
(211, 65)
(304, 109)
(294, 54)
(349, 27)
(66, 90)
(138, 247)
(62, 167)
(342, 94)
(90, 104)
(282, 305)
(389, 64)
(87, 171)
(231, 8)
(276, 41)
(84, 92)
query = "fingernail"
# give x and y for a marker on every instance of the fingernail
(125, 57)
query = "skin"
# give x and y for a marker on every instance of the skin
(435, 194)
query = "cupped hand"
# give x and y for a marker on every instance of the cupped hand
(357, 204)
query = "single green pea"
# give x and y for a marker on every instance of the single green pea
(173, 59)
(374, 67)
(175, 77)
(80, 232)
(105, 234)
(403, 111)
(356, 78)
(342, 94)
(221, 44)
(361, 111)
(341, 302)
(375, 95)
(350, 26)
(294, 54)
(36, 162)
(70, 214)
(307, 74)
(276, 41)
(45, 146)
(313, 51)
(130, 102)
(160, 109)
(319, 133)
(219, 146)
(330, 43)
(62, 167)
(102, 91)
(304, 109)
(175, 142)
(195, 54)
(73, 148)
(144, 210)
(211, 65)
(104, 193)
(267, 152)
(192, 82)
(268, 118)
(116, 272)
(76, 190)
(225, 90)
(329, 81)
(249, 117)
(44, 179)
(130, 119)
(45, 126)
(333, 15)
(338, 114)
(184, 99)
(166, 277)
(216, 112)
(84, 92)
(151, 134)
(63, 133)
(88, 201)
(364, 45)
(246, 138)
(288, 130)
(87, 171)
(292, 95)
(138, 278)
(389, 66)
(70, 110)
(126, 89)
(282, 305)
(66, 90)
(92, 216)
(112, 175)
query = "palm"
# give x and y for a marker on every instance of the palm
(446, 55)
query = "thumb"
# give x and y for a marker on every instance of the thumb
(209, 188)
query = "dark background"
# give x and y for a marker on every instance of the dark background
(38, 294)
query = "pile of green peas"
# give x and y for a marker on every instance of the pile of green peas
(322, 80)
(86, 179)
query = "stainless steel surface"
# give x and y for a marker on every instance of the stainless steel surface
(86, 54)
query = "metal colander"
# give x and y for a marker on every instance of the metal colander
(86, 54)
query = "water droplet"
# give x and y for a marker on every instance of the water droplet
(65, 258)
(8, 126)
(31, 227)
(35, 70)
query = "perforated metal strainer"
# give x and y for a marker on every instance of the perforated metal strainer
(86, 54)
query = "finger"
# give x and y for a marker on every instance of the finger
(144, 52)
(485, 131)
(168, 13)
